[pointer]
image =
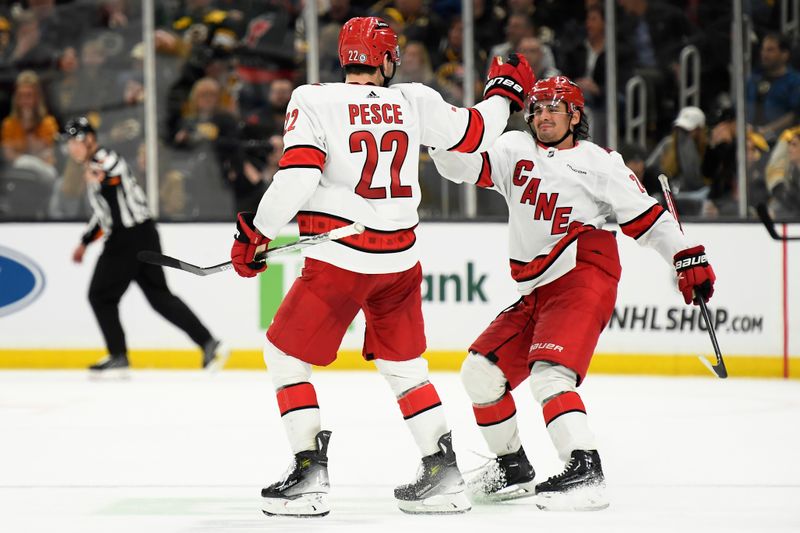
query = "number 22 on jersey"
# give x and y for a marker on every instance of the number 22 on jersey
(392, 141)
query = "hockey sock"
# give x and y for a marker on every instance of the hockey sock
(300, 414)
(567, 424)
(492, 403)
(422, 411)
(297, 399)
(498, 424)
(418, 401)
(553, 386)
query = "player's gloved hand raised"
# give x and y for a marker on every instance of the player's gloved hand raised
(513, 79)
(244, 247)
(695, 276)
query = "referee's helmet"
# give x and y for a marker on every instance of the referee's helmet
(78, 128)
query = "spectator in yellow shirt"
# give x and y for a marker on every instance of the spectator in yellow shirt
(29, 132)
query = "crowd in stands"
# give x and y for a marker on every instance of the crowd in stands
(225, 71)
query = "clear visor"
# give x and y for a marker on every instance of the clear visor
(554, 108)
(536, 107)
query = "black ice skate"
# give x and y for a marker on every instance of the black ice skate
(507, 477)
(580, 487)
(439, 488)
(215, 354)
(303, 490)
(112, 366)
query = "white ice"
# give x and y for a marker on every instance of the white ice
(187, 452)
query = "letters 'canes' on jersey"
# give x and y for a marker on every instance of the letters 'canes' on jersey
(352, 153)
(560, 190)
(685, 263)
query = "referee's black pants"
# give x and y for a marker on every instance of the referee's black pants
(116, 267)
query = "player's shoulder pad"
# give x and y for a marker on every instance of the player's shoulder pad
(514, 140)
(309, 95)
(601, 153)
(305, 91)
(417, 91)
(517, 136)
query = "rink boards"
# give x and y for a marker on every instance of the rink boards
(46, 321)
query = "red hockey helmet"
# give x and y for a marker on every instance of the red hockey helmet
(366, 41)
(556, 89)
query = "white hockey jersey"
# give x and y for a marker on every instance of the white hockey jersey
(351, 154)
(555, 195)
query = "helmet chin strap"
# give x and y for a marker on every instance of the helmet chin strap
(387, 79)
(556, 143)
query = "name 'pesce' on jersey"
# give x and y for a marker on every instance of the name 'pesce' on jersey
(352, 151)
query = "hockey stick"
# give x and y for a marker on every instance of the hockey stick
(155, 258)
(763, 214)
(718, 369)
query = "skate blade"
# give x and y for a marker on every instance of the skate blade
(454, 503)
(113, 374)
(583, 499)
(512, 492)
(304, 506)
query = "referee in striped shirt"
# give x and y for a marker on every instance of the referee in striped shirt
(121, 215)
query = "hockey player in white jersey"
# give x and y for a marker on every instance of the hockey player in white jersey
(560, 190)
(351, 155)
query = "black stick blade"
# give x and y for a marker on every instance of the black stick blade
(155, 258)
(763, 214)
(769, 224)
(720, 370)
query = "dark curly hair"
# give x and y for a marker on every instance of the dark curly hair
(581, 130)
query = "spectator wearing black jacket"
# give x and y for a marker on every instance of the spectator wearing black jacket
(209, 135)
(585, 63)
(658, 32)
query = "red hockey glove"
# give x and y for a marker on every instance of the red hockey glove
(695, 276)
(244, 247)
(513, 79)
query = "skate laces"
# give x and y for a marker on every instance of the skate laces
(429, 467)
(486, 462)
(298, 464)
(289, 471)
(567, 468)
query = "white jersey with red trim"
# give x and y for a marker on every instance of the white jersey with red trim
(555, 195)
(351, 154)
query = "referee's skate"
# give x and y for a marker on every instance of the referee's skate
(111, 367)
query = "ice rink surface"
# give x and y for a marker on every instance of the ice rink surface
(170, 452)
